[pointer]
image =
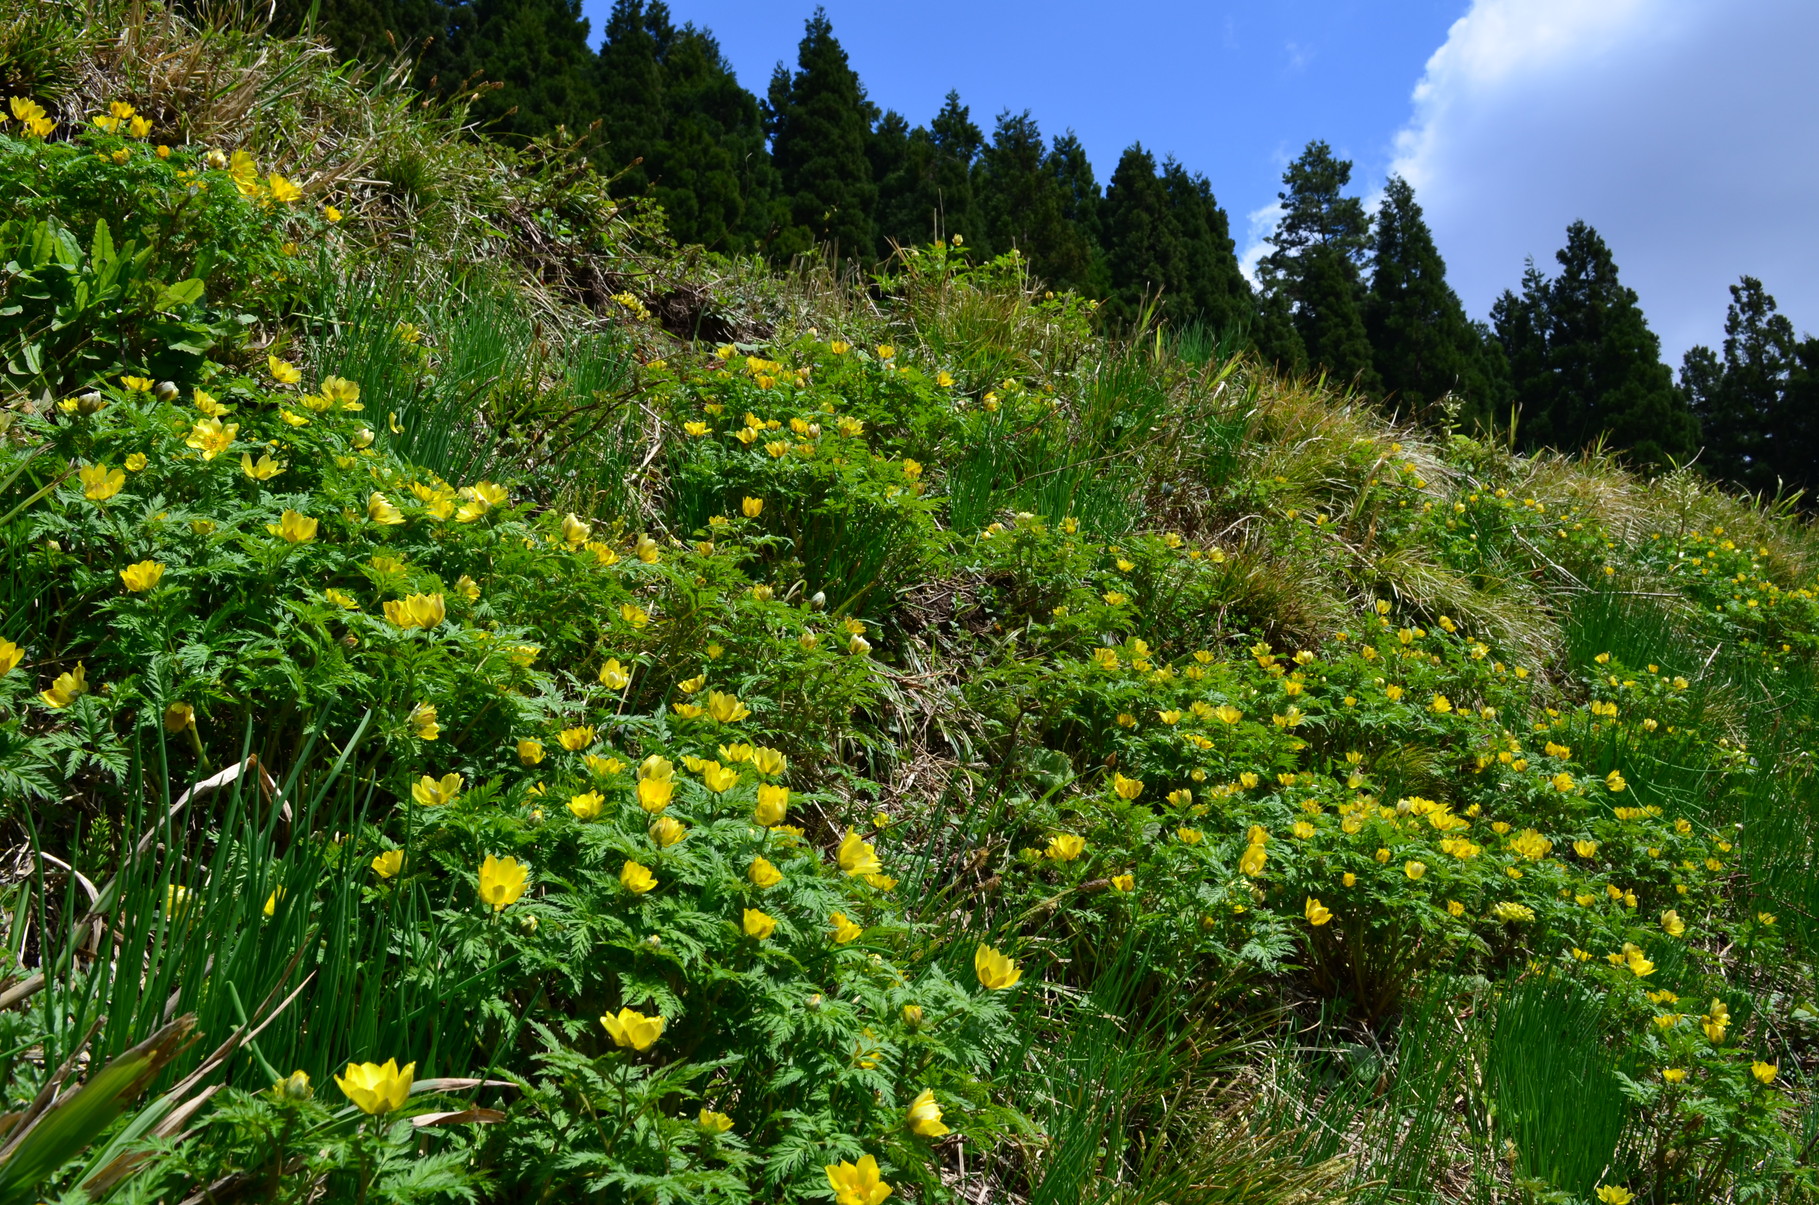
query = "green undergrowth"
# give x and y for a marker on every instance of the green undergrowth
(727, 736)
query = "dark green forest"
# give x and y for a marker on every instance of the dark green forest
(1566, 361)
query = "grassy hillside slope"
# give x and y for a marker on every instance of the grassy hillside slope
(497, 707)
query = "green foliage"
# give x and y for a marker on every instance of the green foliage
(1584, 363)
(120, 272)
(819, 121)
(1425, 349)
(1316, 265)
(461, 668)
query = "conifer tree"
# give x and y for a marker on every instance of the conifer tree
(1018, 199)
(537, 50)
(1585, 364)
(712, 173)
(1520, 321)
(375, 31)
(1319, 245)
(1741, 403)
(1141, 242)
(629, 84)
(1208, 277)
(1423, 345)
(1042, 202)
(819, 123)
(1167, 238)
(925, 178)
(1795, 446)
(1069, 250)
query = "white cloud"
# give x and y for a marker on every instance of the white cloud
(1680, 129)
(1262, 225)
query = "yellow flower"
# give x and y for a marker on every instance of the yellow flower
(135, 461)
(377, 1089)
(1227, 714)
(844, 930)
(1674, 1075)
(714, 1123)
(294, 528)
(1455, 908)
(1189, 836)
(1585, 849)
(632, 1028)
(1716, 1019)
(666, 831)
(1123, 882)
(1764, 1072)
(423, 722)
(65, 687)
(142, 577)
(263, 469)
(380, 510)
(925, 1115)
(762, 874)
(1671, 924)
(1637, 962)
(179, 717)
(530, 751)
(211, 437)
(1615, 1194)
(416, 611)
(433, 792)
(389, 863)
(857, 857)
(575, 530)
(758, 924)
(99, 483)
(576, 739)
(283, 371)
(1064, 847)
(718, 778)
(1563, 781)
(654, 793)
(1126, 788)
(995, 971)
(635, 615)
(1614, 781)
(773, 805)
(726, 708)
(1531, 844)
(1414, 870)
(614, 676)
(857, 1183)
(1250, 863)
(636, 878)
(586, 806)
(501, 881)
(331, 213)
(1316, 912)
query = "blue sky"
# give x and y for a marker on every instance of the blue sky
(1682, 129)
